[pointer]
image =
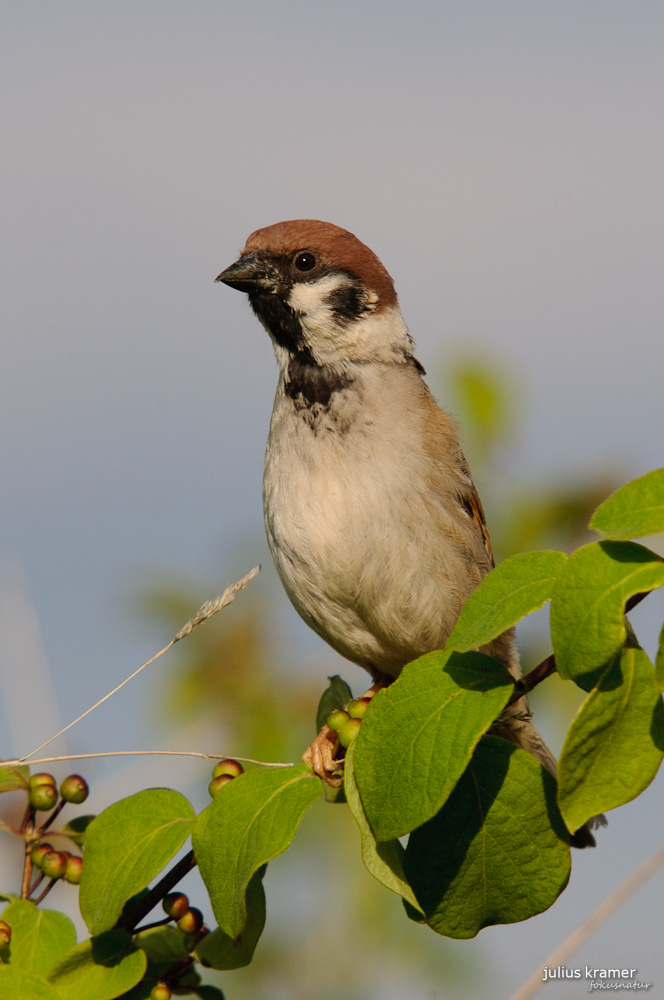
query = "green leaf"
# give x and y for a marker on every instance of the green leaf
(126, 846)
(141, 991)
(615, 744)
(497, 851)
(659, 661)
(634, 510)
(419, 734)
(483, 395)
(336, 695)
(253, 819)
(219, 951)
(101, 968)
(14, 777)
(511, 591)
(76, 829)
(164, 946)
(19, 984)
(588, 602)
(39, 936)
(383, 861)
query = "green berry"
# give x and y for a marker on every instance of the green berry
(74, 789)
(74, 869)
(37, 852)
(191, 921)
(42, 778)
(175, 904)
(43, 797)
(349, 731)
(217, 784)
(337, 719)
(5, 934)
(54, 864)
(228, 766)
(160, 992)
(358, 707)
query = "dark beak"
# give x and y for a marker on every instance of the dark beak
(248, 274)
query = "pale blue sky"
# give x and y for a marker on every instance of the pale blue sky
(504, 160)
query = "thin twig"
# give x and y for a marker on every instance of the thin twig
(533, 678)
(54, 815)
(156, 923)
(10, 828)
(605, 909)
(144, 753)
(548, 666)
(46, 891)
(204, 612)
(34, 885)
(27, 873)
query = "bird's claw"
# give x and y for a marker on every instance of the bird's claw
(321, 757)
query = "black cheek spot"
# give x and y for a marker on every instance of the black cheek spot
(348, 302)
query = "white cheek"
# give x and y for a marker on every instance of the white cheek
(309, 299)
(374, 336)
(325, 337)
(381, 336)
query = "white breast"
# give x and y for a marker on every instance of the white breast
(361, 538)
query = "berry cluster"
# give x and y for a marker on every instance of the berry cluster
(189, 920)
(226, 770)
(346, 722)
(43, 795)
(56, 864)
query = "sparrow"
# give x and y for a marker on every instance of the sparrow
(372, 518)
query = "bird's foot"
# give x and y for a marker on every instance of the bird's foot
(382, 681)
(325, 755)
(321, 757)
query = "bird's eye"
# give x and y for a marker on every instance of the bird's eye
(304, 261)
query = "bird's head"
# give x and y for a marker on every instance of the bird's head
(323, 296)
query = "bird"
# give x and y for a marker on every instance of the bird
(372, 518)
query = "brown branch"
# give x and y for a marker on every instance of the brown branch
(548, 666)
(54, 815)
(36, 883)
(155, 923)
(46, 891)
(129, 921)
(27, 872)
(533, 678)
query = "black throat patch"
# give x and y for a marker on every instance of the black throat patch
(282, 322)
(312, 389)
(314, 385)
